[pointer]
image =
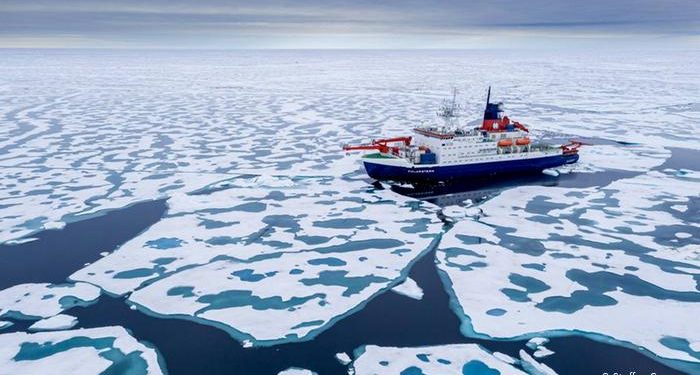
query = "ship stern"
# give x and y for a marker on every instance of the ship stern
(381, 167)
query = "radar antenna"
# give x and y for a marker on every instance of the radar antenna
(449, 110)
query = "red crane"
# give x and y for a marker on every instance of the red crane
(381, 145)
(573, 146)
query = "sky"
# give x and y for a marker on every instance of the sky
(361, 24)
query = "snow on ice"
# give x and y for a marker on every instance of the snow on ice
(274, 262)
(296, 371)
(302, 252)
(343, 358)
(55, 323)
(409, 288)
(34, 301)
(430, 360)
(74, 143)
(605, 261)
(84, 351)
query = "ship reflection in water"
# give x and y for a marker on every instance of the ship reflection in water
(467, 192)
(472, 191)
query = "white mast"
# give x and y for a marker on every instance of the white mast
(449, 111)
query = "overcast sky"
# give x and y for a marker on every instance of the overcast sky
(349, 24)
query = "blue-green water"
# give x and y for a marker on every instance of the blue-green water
(388, 320)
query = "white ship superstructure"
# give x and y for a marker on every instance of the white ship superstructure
(499, 145)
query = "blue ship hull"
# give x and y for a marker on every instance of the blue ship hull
(446, 173)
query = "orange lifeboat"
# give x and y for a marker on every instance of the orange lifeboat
(505, 143)
(522, 141)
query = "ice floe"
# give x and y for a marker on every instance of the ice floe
(533, 367)
(505, 358)
(54, 323)
(409, 288)
(454, 213)
(695, 345)
(542, 351)
(343, 358)
(551, 172)
(70, 150)
(33, 301)
(537, 344)
(635, 158)
(430, 360)
(80, 150)
(83, 351)
(536, 341)
(683, 235)
(21, 241)
(54, 225)
(602, 261)
(74, 144)
(271, 263)
(37, 200)
(296, 371)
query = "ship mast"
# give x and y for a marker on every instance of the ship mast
(449, 111)
(488, 100)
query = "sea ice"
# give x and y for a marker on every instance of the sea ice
(459, 213)
(409, 288)
(296, 371)
(32, 301)
(551, 172)
(272, 263)
(21, 241)
(602, 261)
(54, 323)
(74, 144)
(695, 346)
(505, 358)
(537, 344)
(636, 158)
(343, 358)
(43, 203)
(533, 367)
(536, 341)
(83, 351)
(54, 225)
(430, 360)
(542, 351)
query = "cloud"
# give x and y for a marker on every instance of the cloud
(225, 24)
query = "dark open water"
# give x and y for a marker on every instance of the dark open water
(191, 348)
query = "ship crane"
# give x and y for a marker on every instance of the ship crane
(520, 126)
(572, 147)
(447, 152)
(381, 145)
